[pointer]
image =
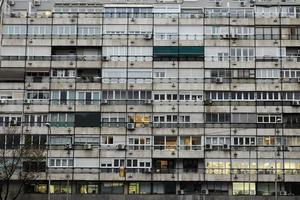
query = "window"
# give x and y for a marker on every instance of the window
(29, 166)
(217, 140)
(107, 164)
(112, 188)
(107, 140)
(63, 97)
(36, 141)
(87, 119)
(159, 74)
(10, 120)
(37, 95)
(217, 167)
(267, 33)
(113, 119)
(87, 188)
(89, 31)
(36, 188)
(14, 30)
(138, 165)
(216, 73)
(268, 118)
(165, 119)
(162, 96)
(88, 98)
(184, 119)
(10, 141)
(39, 30)
(35, 120)
(139, 143)
(60, 140)
(190, 143)
(243, 73)
(61, 162)
(243, 188)
(164, 166)
(165, 142)
(64, 30)
(242, 54)
(63, 73)
(268, 73)
(60, 187)
(217, 117)
(139, 188)
(86, 139)
(243, 141)
(62, 119)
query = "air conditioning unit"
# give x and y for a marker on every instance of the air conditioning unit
(105, 58)
(104, 101)
(11, 2)
(87, 146)
(205, 191)
(226, 147)
(68, 146)
(148, 101)
(36, 2)
(218, 3)
(13, 122)
(234, 36)
(225, 36)
(295, 103)
(208, 102)
(3, 101)
(130, 126)
(219, 80)
(148, 36)
(279, 148)
(121, 146)
(285, 148)
(282, 193)
(298, 80)
(242, 3)
(15, 14)
(96, 79)
(208, 147)
(27, 101)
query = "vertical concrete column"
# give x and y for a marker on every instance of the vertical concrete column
(177, 187)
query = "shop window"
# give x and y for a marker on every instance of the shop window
(60, 188)
(88, 188)
(164, 188)
(36, 188)
(112, 188)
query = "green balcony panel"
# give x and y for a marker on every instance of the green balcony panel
(178, 51)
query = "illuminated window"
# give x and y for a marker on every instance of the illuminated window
(87, 188)
(240, 188)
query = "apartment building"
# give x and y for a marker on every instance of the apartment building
(154, 97)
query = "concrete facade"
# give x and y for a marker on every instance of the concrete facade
(167, 97)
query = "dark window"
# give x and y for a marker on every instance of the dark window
(87, 119)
